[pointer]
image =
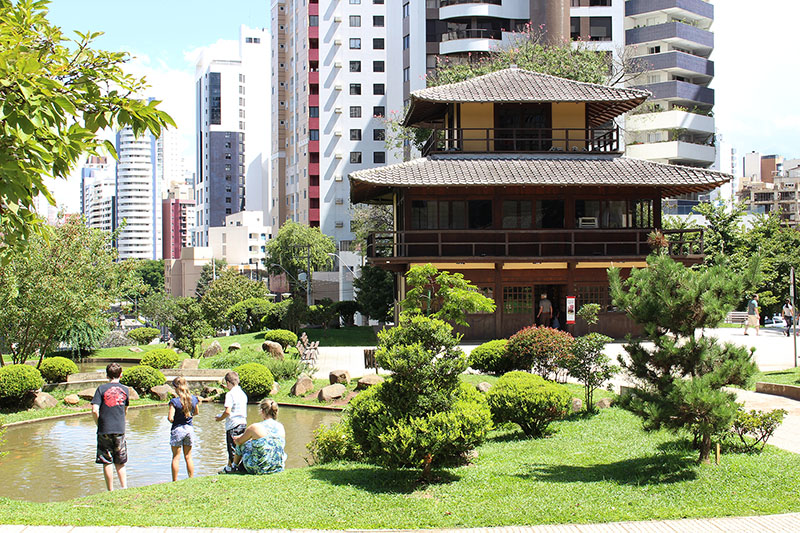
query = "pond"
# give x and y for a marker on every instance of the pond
(53, 460)
(95, 366)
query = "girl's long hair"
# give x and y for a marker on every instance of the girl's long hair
(182, 389)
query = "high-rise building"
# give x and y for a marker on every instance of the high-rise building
(99, 193)
(177, 220)
(233, 117)
(138, 196)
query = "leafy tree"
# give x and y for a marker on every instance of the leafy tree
(84, 336)
(54, 285)
(588, 364)
(56, 94)
(725, 232)
(151, 272)
(248, 315)
(189, 326)
(159, 308)
(681, 378)
(375, 293)
(443, 295)
(226, 291)
(294, 249)
(368, 218)
(207, 275)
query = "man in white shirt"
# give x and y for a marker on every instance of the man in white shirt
(235, 416)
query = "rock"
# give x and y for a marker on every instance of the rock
(604, 403)
(339, 376)
(72, 399)
(171, 344)
(44, 400)
(86, 394)
(213, 349)
(190, 364)
(155, 341)
(163, 392)
(135, 349)
(303, 385)
(577, 405)
(235, 346)
(331, 392)
(275, 388)
(483, 386)
(210, 392)
(274, 349)
(132, 394)
(368, 381)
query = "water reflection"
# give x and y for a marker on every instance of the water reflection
(53, 460)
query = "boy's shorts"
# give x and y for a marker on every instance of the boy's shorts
(235, 431)
(111, 449)
(752, 321)
(182, 435)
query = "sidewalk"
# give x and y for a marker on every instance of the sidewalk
(783, 523)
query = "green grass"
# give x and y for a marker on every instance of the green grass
(597, 469)
(124, 352)
(781, 377)
(352, 336)
(576, 390)
(285, 386)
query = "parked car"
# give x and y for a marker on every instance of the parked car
(776, 321)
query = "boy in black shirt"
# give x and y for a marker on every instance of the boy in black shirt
(109, 406)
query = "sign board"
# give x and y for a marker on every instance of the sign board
(570, 309)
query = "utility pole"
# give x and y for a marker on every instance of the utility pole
(794, 315)
(309, 299)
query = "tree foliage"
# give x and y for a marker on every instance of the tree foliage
(442, 295)
(227, 290)
(208, 273)
(375, 293)
(295, 248)
(151, 273)
(56, 94)
(188, 325)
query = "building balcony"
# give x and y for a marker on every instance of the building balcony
(529, 140)
(687, 9)
(676, 33)
(465, 9)
(313, 77)
(677, 152)
(530, 245)
(470, 40)
(670, 120)
(681, 92)
(678, 63)
(313, 54)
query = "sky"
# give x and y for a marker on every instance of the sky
(757, 61)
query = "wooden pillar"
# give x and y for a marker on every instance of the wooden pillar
(570, 292)
(657, 212)
(498, 300)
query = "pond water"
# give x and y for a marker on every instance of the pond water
(94, 366)
(53, 460)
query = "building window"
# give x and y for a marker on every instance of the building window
(355, 44)
(575, 28)
(407, 74)
(313, 135)
(355, 89)
(378, 135)
(355, 66)
(313, 20)
(378, 21)
(517, 300)
(517, 214)
(355, 157)
(313, 111)
(654, 50)
(215, 98)
(406, 10)
(355, 135)
(379, 111)
(378, 66)
(432, 214)
(406, 42)
(355, 2)
(377, 43)
(594, 294)
(379, 157)
(355, 21)
(549, 214)
(600, 28)
(378, 89)
(377, 2)
(355, 111)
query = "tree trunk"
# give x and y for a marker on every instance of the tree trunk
(426, 470)
(705, 449)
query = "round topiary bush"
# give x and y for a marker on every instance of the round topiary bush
(57, 369)
(491, 357)
(142, 378)
(143, 335)
(284, 337)
(528, 400)
(16, 381)
(160, 358)
(539, 349)
(255, 379)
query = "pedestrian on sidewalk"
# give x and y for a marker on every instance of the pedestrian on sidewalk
(788, 316)
(753, 318)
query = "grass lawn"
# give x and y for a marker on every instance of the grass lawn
(124, 352)
(782, 377)
(598, 469)
(354, 336)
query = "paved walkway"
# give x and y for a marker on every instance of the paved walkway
(784, 523)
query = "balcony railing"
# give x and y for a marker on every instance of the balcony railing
(485, 140)
(445, 3)
(531, 244)
(475, 33)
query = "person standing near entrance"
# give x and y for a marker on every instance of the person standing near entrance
(545, 314)
(788, 317)
(109, 407)
(753, 318)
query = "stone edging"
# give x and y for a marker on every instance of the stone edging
(787, 391)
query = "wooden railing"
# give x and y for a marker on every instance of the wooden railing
(487, 140)
(530, 243)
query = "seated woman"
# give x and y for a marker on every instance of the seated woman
(260, 449)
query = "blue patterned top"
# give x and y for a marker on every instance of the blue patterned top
(265, 455)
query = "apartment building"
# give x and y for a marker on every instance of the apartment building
(778, 196)
(99, 193)
(233, 118)
(241, 241)
(178, 216)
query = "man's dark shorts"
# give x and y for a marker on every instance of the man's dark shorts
(233, 432)
(111, 449)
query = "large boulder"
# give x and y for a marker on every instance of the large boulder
(234, 346)
(604, 403)
(44, 400)
(190, 364)
(210, 392)
(302, 386)
(331, 392)
(368, 381)
(215, 348)
(274, 349)
(155, 341)
(171, 344)
(483, 386)
(72, 399)
(577, 405)
(86, 394)
(163, 392)
(339, 376)
(132, 394)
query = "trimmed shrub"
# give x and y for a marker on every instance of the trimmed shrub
(276, 315)
(248, 315)
(333, 443)
(283, 337)
(491, 357)
(142, 378)
(160, 358)
(347, 310)
(143, 335)
(542, 350)
(323, 314)
(528, 400)
(255, 379)
(760, 425)
(288, 369)
(57, 369)
(16, 381)
(115, 339)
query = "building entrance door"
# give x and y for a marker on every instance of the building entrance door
(550, 298)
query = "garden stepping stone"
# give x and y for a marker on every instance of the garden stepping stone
(235, 346)
(368, 381)
(190, 364)
(274, 349)
(483, 386)
(86, 394)
(604, 403)
(331, 392)
(303, 385)
(44, 400)
(214, 348)
(163, 392)
(135, 349)
(577, 405)
(72, 399)
(339, 376)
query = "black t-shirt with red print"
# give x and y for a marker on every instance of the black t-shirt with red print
(112, 398)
